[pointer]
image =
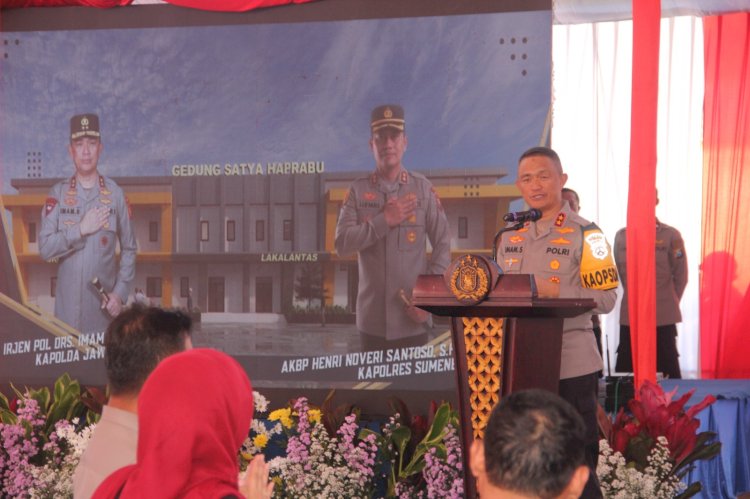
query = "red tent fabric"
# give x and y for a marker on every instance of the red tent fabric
(725, 268)
(641, 236)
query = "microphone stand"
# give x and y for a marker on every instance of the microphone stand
(515, 226)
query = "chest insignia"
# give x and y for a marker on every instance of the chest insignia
(560, 240)
(560, 220)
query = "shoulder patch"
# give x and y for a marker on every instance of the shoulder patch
(49, 205)
(678, 248)
(598, 270)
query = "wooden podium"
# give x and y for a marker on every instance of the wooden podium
(505, 338)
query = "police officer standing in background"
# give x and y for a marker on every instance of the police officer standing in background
(386, 218)
(569, 258)
(671, 279)
(83, 219)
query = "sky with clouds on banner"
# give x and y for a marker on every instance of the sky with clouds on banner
(475, 88)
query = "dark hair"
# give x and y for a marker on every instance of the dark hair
(137, 339)
(574, 193)
(533, 443)
(542, 151)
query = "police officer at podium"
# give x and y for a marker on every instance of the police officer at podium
(569, 258)
(84, 218)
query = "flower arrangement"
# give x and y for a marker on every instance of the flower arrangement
(651, 448)
(260, 433)
(422, 457)
(43, 439)
(318, 464)
(324, 451)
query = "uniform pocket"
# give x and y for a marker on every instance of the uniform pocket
(411, 238)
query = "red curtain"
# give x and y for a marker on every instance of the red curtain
(725, 268)
(641, 235)
(217, 5)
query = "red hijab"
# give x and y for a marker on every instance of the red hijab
(194, 412)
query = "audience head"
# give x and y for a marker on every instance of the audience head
(137, 340)
(533, 447)
(194, 412)
(571, 197)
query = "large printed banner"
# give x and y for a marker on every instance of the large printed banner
(235, 147)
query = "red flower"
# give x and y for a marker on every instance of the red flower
(681, 437)
(652, 415)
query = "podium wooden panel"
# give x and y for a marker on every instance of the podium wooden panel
(508, 341)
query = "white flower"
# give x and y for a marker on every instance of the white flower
(620, 481)
(260, 402)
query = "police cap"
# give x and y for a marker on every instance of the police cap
(388, 115)
(84, 125)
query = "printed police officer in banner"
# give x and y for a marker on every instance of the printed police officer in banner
(569, 258)
(387, 218)
(83, 219)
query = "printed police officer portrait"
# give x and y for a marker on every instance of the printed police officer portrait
(84, 218)
(387, 218)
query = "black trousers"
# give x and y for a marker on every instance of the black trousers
(581, 392)
(667, 357)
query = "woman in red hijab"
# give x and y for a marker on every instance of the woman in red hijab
(194, 412)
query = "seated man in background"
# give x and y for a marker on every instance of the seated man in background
(533, 447)
(135, 342)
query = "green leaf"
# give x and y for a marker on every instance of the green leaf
(19, 394)
(400, 438)
(42, 396)
(414, 467)
(442, 416)
(4, 405)
(692, 489)
(705, 452)
(8, 417)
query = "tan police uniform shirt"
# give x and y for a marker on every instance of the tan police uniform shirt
(671, 274)
(81, 258)
(391, 258)
(574, 253)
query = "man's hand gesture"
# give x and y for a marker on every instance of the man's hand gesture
(93, 220)
(399, 209)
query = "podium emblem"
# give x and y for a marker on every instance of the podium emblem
(470, 280)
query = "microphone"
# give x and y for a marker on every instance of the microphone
(523, 216)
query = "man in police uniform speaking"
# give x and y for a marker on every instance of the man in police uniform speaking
(83, 219)
(671, 280)
(387, 218)
(569, 258)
